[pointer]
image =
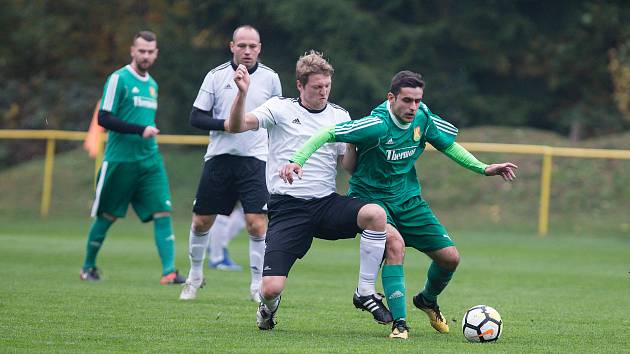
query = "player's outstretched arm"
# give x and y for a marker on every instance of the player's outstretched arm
(464, 158)
(240, 121)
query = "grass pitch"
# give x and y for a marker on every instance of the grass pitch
(561, 293)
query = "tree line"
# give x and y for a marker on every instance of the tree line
(559, 65)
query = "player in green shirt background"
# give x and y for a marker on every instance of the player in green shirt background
(132, 171)
(388, 143)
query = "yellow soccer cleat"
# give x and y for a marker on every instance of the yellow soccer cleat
(399, 330)
(432, 310)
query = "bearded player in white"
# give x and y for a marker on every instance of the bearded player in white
(309, 207)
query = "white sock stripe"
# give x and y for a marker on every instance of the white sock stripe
(257, 238)
(199, 234)
(373, 233)
(374, 237)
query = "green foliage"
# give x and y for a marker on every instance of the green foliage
(517, 63)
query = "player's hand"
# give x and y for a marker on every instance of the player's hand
(241, 78)
(286, 172)
(507, 170)
(150, 132)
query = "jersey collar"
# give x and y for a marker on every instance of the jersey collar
(395, 120)
(134, 73)
(249, 70)
(311, 110)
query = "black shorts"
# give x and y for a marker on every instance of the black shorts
(293, 223)
(226, 179)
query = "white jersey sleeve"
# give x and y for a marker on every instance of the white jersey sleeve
(205, 96)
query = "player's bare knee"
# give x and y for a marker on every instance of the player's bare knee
(202, 223)
(272, 288)
(372, 217)
(394, 251)
(450, 261)
(256, 224)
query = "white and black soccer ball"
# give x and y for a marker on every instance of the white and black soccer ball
(482, 324)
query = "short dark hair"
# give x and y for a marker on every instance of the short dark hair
(146, 35)
(405, 78)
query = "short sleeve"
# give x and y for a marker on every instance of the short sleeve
(112, 94)
(205, 96)
(440, 133)
(264, 113)
(276, 89)
(360, 131)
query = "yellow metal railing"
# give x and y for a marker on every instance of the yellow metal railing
(547, 153)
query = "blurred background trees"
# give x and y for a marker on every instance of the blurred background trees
(557, 65)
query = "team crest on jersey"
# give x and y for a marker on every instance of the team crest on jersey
(416, 134)
(152, 91)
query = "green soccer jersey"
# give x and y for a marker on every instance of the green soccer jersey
(388, 149)
(133, 99)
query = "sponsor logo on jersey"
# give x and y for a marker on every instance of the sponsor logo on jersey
(296, 121)
(393, 155)
(390, 141)
(416, 134)
(144, 102)
(135, 90)
(152, 91)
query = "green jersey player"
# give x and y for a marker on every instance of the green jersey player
(388, 143)
(132, 171)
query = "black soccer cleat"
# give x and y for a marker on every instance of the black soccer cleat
(172, 278)
(90, 274)
(400, 330)
(374, 304)
(265, 317)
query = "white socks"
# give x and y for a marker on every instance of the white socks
(225, 228)
(197, 245)
(371, 249)
(256, 258)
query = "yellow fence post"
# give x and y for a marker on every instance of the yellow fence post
(545, 192)
(48, 172)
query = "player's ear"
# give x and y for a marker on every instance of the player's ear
(391, 97)
(232, 46)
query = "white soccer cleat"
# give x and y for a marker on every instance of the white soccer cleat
(189, 290)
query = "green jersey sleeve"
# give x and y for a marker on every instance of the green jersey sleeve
(439, 133)
(361, 131)
(364, 130)
(112, 94)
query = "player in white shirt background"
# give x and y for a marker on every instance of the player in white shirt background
(234, 167)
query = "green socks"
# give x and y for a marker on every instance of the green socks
(437, 279)
(393, 277)
(165, 242)
(96, 236)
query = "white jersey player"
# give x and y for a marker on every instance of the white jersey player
(234, 168)
(309, 207)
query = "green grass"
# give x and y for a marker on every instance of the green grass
(562, 293)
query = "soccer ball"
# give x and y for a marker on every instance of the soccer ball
(482, 324)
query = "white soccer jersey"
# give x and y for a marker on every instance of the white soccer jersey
(289, 126)
(217, 94)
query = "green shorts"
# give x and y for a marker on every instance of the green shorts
(417, 224)
(142, 183)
